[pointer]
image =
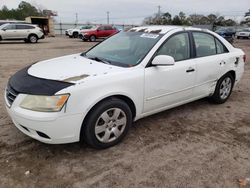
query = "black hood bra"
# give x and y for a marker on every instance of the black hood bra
(24, 83)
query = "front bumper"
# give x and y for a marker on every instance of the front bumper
(83, 37)
(51, 128)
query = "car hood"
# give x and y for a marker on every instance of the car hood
(72, 68)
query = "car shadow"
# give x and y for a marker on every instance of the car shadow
(140, 124)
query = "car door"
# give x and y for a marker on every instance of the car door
(22, 31)
(101, 32)
(9, 32)
(210, 61)
(167, 86)
(109, 31)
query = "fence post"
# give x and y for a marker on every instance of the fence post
(61, 28)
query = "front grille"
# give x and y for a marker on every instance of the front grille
(11, 94)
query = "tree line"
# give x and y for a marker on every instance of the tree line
(23, 10)
(193, 19)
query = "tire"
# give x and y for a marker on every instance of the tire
(75, 35)
(33, 39)
(238, 37)
(1, 38)
(92, 38)
(223, 89)
(101, 129)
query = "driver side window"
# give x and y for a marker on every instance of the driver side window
(177, 46)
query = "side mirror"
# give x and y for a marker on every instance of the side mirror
(163, 60)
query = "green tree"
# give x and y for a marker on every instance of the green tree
(176, 20)
(24, 10)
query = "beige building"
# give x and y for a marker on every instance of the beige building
(46, 23)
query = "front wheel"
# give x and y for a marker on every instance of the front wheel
(92, 38)
(223, 89)
(107, 124)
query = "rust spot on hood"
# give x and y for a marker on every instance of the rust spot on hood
(76, 78)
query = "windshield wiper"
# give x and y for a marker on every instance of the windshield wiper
(100, 60)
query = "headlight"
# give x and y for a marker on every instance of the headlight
(44, 103)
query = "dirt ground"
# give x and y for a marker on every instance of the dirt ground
(195, 145)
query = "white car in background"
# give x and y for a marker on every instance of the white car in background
(18, 31)
(95, 96)
(244, 33)
(73, 33)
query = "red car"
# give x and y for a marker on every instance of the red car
(102, 31)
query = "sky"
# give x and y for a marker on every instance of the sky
(133, 11)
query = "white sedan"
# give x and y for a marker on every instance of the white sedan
(95, 96)
(244, 33)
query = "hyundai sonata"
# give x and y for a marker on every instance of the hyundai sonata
(96, 95)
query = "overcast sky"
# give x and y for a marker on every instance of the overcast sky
(133, 11)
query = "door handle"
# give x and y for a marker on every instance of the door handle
(190, 69)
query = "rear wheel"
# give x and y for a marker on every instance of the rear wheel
(33, 39)
(223, 89)
(107, 124)
(92, 38)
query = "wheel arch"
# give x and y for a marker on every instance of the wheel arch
(232, 72)
(32, 34)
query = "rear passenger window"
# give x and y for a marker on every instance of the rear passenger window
(24, 27)
(204, 44)
(177, 47)
(108, 28)
(220, 47)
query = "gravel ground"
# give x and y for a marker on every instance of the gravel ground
(195, 145)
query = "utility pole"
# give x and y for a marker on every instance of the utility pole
(76, 19)
(159, 10)
(107, 17)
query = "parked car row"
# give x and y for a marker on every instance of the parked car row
(91, 33)
(74, 33)
(231, 33)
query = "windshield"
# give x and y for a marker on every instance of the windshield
(220, 30)
(125, 48)
(2, 26)
(87, 27)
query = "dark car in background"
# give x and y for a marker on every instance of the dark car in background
(102, 31)
(227, 33)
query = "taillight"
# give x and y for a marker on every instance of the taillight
(245, 58)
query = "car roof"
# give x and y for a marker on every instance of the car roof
(21, 24)
(163, 29)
